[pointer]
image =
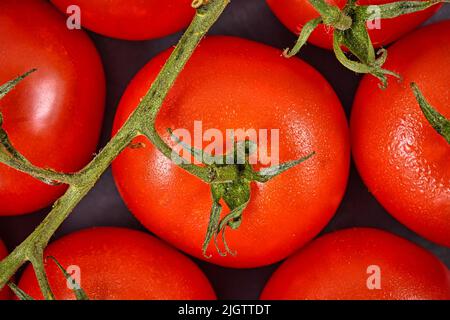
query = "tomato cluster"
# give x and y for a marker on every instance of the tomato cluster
(401, 158)
(54, 118)
(294, 14)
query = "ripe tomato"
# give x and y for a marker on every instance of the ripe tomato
(120, 264)
(54, 116)
(5, 294)
(132, 19)
(295, 13)
(360, 264)
(232, 83)
(401, 158)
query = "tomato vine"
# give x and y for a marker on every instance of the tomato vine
(140, 122)
(350, 31)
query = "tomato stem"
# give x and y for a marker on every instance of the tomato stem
(36, 260)
(140, 122)
(19, 292)
(331, 15)
(235, 191)
(13, 158)
(351, 32)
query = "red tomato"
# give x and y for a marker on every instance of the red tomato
(401, 158)
(5, 294)
(232, 83)
(295, 13)
(120, 264)
(54, 116)
(360, 264)
(132, 19)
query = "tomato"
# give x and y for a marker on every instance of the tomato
(401, 158)
(295, 13)
(132, 19)
(360, 264)
(120, 264)
(232, 83)
(54, 116)
(5, 293)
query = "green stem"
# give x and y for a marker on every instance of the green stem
(37, 261)
(306, 32)
(141, 121)
(13, 158)
(396, 9)
(19, 292)
(153, 100)
(350, 31)
(62, 208)
(16, 160)
(201, 172)
(331, 15)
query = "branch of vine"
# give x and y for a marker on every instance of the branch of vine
(140, 122)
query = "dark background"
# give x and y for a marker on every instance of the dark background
(250, 19)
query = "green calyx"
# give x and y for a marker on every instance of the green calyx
(436, 119)
(351, 32)
(236, 195)
(230, 183)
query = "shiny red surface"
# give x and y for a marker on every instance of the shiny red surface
(335, 267)
(232, 83)
(54, 116)
(401, 158)
(296, 13)
(120, 264)
(132, 19)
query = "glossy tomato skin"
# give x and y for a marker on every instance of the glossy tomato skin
(296, 13)
(5, 293)
(54, 116)
(232, 83)
(338, 265)
(121, 264)
(400, 157)
(132, 19)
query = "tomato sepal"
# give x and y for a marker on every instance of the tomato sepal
(230, 182)
(351, 32)
(436, 119)
(76, 287)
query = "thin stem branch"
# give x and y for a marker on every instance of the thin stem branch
(47, 176)
(39, 269)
